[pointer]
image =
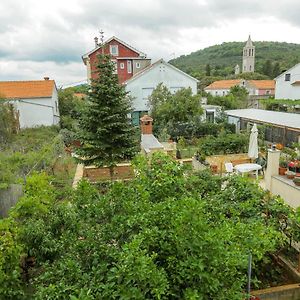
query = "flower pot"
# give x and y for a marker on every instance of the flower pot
(282, 170)
(214, 169)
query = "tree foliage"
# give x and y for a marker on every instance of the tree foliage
(168, 109)
(236, 98)
(167, 234)
(105, 132)
(8, 122)
(222, 58)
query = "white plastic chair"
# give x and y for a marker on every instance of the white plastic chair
(229, 168)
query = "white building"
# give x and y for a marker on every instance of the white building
(143, 83)
(222, 87)
(288, 84)
(36, 102)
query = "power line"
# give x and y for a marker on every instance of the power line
(73, 83)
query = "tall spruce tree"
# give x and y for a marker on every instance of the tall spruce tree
(105, 131)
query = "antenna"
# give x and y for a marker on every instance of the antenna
(102, 39)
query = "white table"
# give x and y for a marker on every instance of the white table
(246, 168)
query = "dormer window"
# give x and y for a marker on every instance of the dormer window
(114, 50)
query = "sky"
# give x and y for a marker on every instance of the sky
(41, 38)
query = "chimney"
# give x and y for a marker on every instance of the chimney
(146, 124)
(96, 42)
(46, 78)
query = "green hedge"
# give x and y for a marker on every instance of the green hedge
(196, 129)
(223, 144)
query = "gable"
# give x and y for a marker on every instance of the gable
(27, 89)
(291, 70)
(125, 50)
(161, 71)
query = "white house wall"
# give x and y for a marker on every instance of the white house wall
(285, 89)
(35, 112)
(219, 92)
(142, 87)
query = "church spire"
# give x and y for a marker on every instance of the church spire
(248, 56)
(249, 42)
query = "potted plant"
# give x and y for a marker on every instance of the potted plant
(297, 180)
(282, 166)
(290, 174)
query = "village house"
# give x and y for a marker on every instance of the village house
(261, 88)
(35, 102)
(142, 84)
(127, 59)
(257, 88)
(222, 87)
(288, 84)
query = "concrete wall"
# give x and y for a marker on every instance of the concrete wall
(287, 189)
(38, 111)
(9, 197)
(286, 292)
(142, 87)
(219, 92)
(285, 89)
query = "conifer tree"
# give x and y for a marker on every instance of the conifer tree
(105, 132)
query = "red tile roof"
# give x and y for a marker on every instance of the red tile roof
(223, 84)
(26, 89)
(263, 84)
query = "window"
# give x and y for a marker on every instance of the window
(287, 77)
(129, 66)
(114, 50)
(137, 65)
(56, 107)
(210, 116)
(267, 92)
(224, 93)
(122, 66)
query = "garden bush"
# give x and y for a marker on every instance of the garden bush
(167, 234)
(190, 130)
(223, 144)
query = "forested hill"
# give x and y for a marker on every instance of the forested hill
(271, 58)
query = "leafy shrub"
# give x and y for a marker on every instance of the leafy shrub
(223, 144)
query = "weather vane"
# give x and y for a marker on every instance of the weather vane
(101, 36)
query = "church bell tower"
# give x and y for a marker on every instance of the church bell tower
(248, 56)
